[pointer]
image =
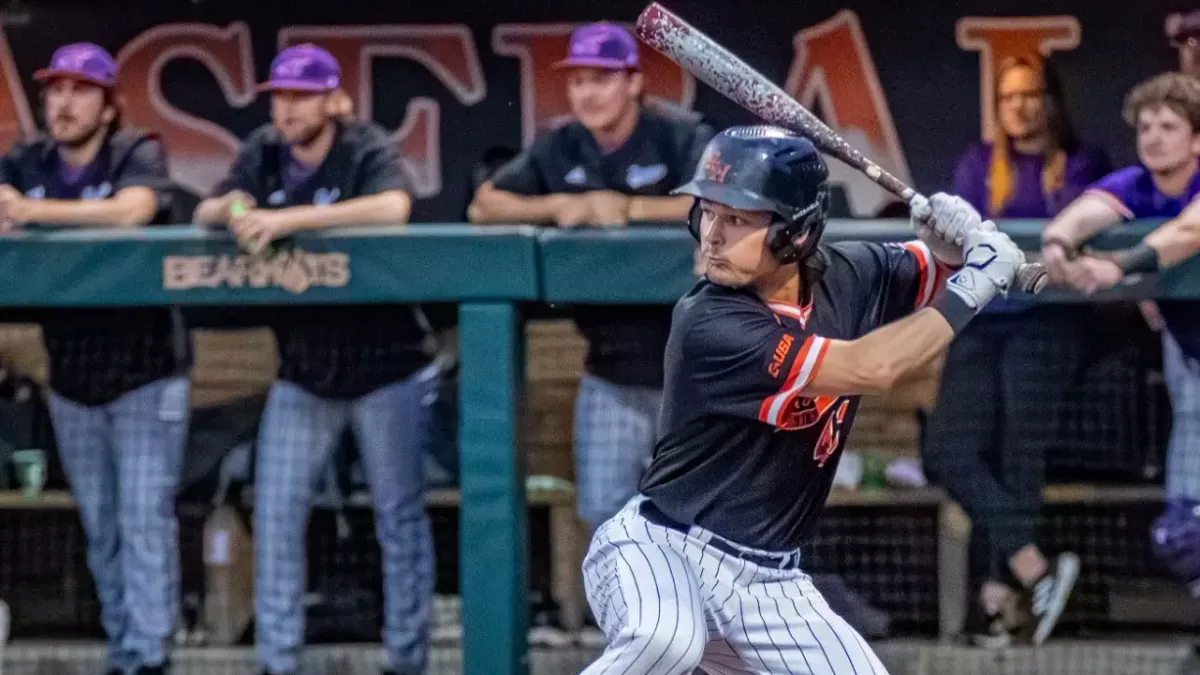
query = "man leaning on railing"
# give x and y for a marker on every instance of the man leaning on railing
(614, 164)
(370, 367)
(1165, 112)
(118, 384)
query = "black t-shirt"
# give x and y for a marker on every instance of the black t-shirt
(625, 343)
(335, 351)
(742, 451)
(98, 354)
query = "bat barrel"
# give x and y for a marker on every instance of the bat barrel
(714, 65)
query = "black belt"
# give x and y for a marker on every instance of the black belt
(784, 561)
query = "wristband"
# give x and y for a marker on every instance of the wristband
(955, 309)
(1070, 249)
(1140, 259)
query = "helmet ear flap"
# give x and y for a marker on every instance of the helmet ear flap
(779, 239)
(694, 220)
(784, 231)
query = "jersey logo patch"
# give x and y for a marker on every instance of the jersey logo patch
(781, 351)
(640, 176)
(37, 192)
(831, 436)
(325, 196)
(576, 176)
(101, 191)
(276, 198)
(803, 412)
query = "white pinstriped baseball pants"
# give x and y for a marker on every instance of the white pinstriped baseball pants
(669, 603)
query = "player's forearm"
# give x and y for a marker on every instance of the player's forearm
(874, 363)
(1083, 219)
(130, 210)
(386, 208)
(499, 206)
(211, 211)
(660, 208)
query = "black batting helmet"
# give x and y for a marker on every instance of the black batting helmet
(765, 168)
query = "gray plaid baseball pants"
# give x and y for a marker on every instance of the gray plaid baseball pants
(298, 432)
(615, 431)
(122, 460)
(1182, 376)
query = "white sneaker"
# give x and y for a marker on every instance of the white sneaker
(1050, 593)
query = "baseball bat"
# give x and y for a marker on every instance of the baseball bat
(712, 64)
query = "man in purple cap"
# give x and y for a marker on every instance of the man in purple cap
(118, 377)
(372, 368)
(615, 164)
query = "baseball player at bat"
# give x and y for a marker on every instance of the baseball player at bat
(767, 357)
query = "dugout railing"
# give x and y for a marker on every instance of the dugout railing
(493, 274)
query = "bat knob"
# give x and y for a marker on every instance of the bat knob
(1031, 278)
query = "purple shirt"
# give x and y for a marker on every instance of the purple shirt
(1086, 165)
(1132, 192)
(296, 173)
(70, 174)
(82, 182)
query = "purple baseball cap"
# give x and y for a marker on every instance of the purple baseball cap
(304, 67)
(601, 45)
(1182, 26)
(81, 61)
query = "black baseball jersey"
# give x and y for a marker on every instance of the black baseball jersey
(625, 343)
(742, 451)
(97, 355)
(337, 351)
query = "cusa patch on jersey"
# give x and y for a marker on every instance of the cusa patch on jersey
(775, 368)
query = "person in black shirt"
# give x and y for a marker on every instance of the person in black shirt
(119, 390)
(767, 358)
(614, 165)
(370, 367)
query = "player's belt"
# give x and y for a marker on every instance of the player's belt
(783, 561)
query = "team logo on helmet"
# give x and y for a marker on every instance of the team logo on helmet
(715, 169)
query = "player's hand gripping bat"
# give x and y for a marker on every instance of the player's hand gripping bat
(715, 66)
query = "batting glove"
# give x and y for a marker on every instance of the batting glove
(942, 222)
(989, 268)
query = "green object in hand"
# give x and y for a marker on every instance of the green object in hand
(237, 209)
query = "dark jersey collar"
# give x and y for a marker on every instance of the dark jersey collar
(802, 307)
(628, 150)
(339, 150)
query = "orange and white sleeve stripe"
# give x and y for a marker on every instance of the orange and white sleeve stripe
(931, 274)
(804, 369)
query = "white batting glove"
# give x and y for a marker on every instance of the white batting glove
(989, 268)
(942, 222)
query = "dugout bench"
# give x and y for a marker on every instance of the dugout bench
(495, 271)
